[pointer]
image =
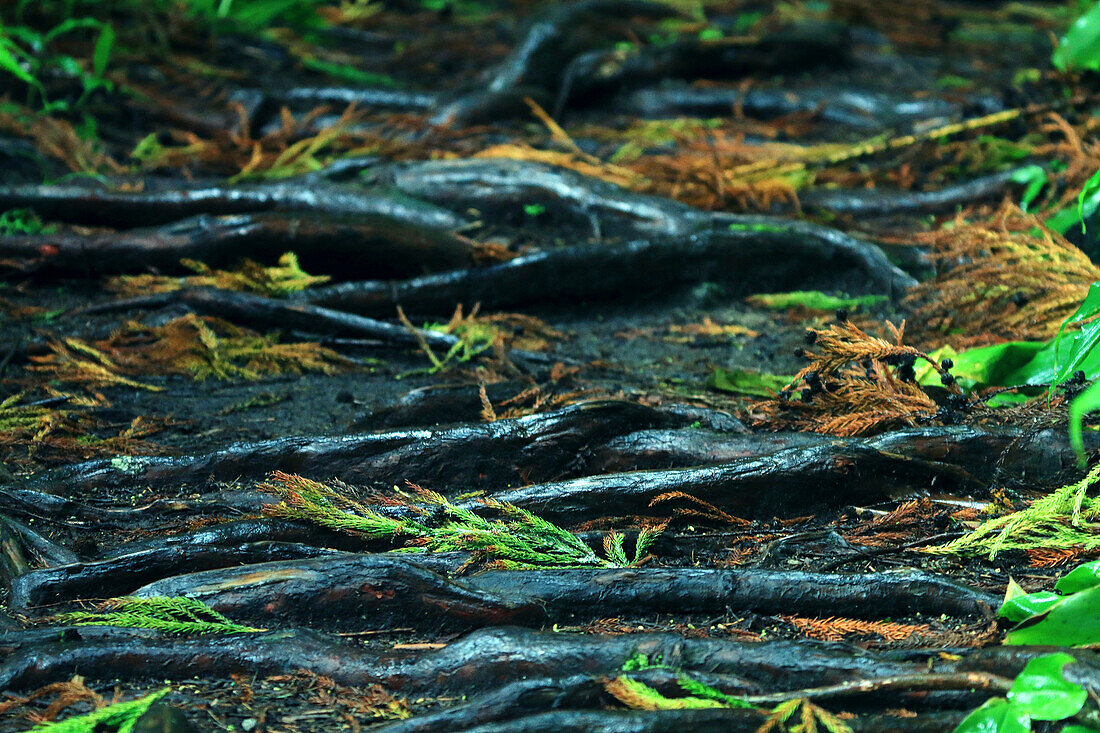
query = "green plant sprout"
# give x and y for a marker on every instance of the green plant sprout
(21, 221)
(119, 717)
(23, 55)
(167, 614)
(519, 539)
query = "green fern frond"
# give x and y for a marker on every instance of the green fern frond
(167, 614)
(121, 717)
(695, 688)
(640, 696)
(613, 548)
(1065, 519)
(518, 539)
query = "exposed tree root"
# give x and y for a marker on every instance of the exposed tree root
(122, 575)
(799, 479)
(838, 106)
(743, 260)
(534, 448)
(262, 312)
(124, 209)
(348, 592)
(989, 455)
(887, 203)
(481, 662)
(372, 246)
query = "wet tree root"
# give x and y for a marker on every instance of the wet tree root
(261, 312)
(528, 702)
(989, 455)
(373, 246)
(481, 662)
(347, 592)
(886, 203)
(126, 209)
(801, 479)
(750, 475)
(677, 721)
(121, 575)
(743, 261)
(861, 111)
(536, 447)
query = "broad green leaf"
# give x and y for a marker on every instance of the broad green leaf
(1073, 621)
(1079, 49)
(1062, 220)
(1022, 608)
(1043, 693)
(1043, 367)
(813, 299)
(742, 381)
(1080, 578)
(997, 365)
(1007, 399)
(997, 715)
(1084, 403)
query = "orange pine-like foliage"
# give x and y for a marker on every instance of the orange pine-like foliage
(1006, 278)
(843, 399)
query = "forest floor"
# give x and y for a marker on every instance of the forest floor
(599, 189)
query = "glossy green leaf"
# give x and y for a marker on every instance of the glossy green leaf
(997, 365)
(1030, 605)
(1079, 49)
(742, 381)
(1080, 578)
(813, 299)
(1084, 403)
(1074, 621)
(1043, 693)
(996, 716)
(1081, 344)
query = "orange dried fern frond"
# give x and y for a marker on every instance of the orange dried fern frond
(835, 629)
(705, 509)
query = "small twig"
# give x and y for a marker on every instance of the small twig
(419, 338)
(877, 551)
(895, 683)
